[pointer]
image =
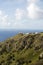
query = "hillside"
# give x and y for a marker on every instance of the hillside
(22, 49)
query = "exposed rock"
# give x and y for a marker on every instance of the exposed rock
(41, 56)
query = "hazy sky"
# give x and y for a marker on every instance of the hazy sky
(21, 14)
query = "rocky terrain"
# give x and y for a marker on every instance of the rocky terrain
(22, 49)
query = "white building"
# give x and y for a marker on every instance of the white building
(36, 32)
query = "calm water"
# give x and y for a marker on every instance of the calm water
(7, 34)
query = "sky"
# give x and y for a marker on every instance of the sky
(21, 14)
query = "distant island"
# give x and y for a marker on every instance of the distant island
(22, 49)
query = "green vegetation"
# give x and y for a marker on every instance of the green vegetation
(22, 49)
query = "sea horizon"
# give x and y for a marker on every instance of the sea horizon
(5, 34)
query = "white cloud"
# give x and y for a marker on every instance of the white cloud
(3, 20)
(33, 11)
(20, 19)
(19, 14)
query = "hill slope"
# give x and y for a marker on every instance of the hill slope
(22, 49)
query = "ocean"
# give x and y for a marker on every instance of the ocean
(4, 34)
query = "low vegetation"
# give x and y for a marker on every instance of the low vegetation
(22, 49)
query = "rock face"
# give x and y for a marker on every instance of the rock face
(22, 49)
(41, 56)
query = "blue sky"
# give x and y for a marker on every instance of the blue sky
(21, 14)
